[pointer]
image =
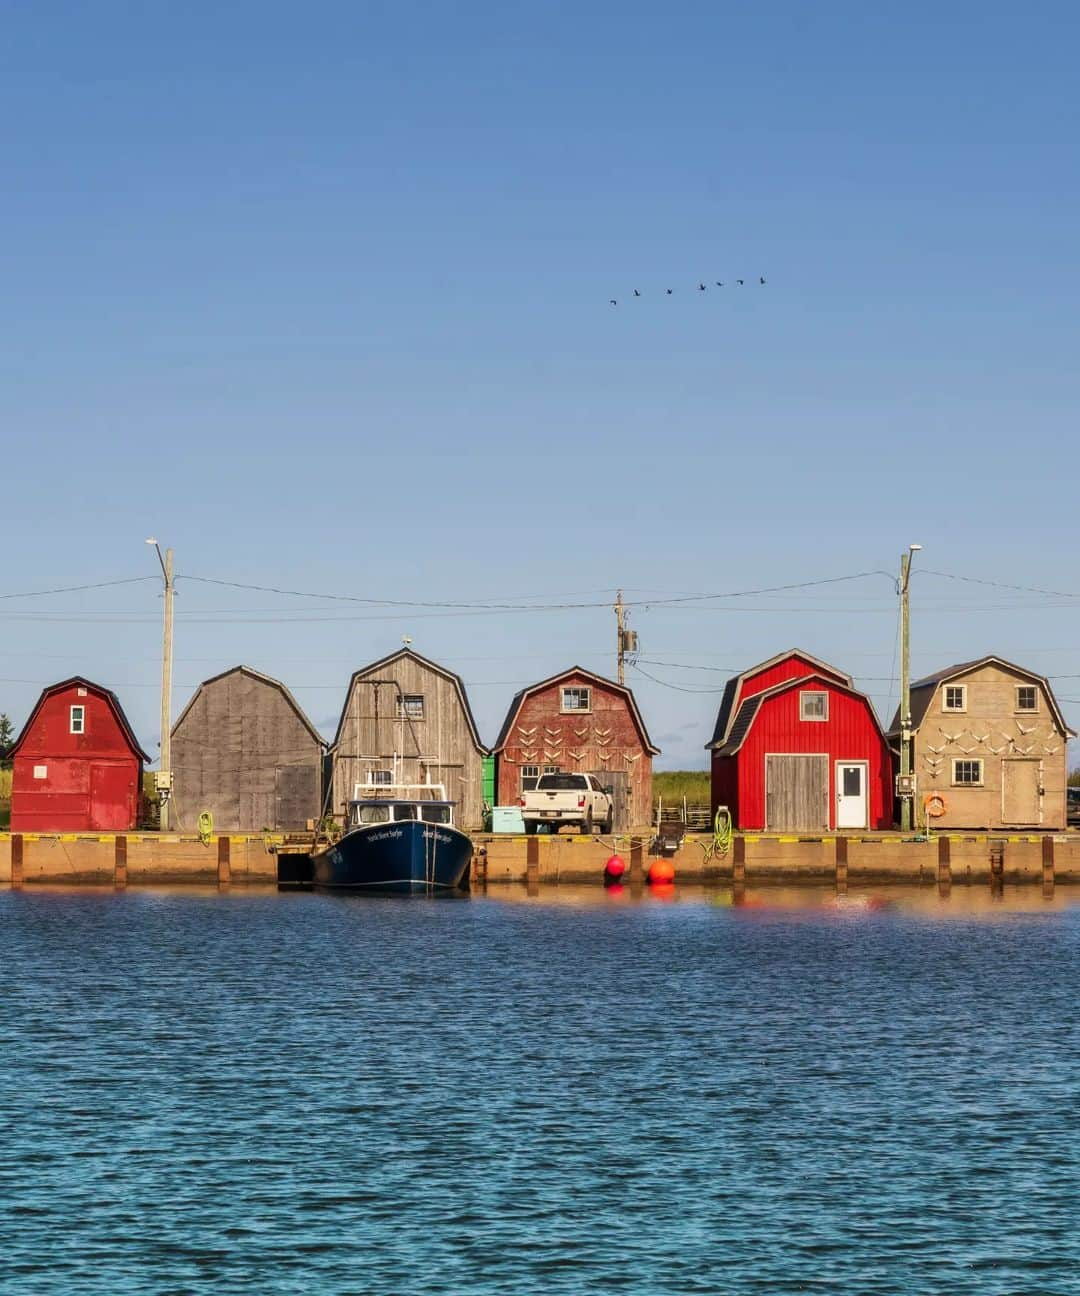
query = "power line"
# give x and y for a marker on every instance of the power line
(74, 589)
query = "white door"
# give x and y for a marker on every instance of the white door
(851, 794)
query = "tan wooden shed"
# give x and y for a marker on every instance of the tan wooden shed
(990, 747)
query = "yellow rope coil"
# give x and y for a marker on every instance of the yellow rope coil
(206, 827)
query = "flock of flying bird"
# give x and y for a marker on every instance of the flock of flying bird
(701, 288)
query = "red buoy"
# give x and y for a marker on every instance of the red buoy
(615, 867)
(662, 871)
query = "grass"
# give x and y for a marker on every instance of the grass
(673, 785)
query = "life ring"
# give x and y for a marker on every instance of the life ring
(935, 804)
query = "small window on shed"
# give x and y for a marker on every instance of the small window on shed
(955, 698)
(967, 773)
(1027, 697)
(813, 705)
(577, 698)
(383, 777)
(552, 769)
(78, 719)
(529, 775)
(41, 771)
(410, 706)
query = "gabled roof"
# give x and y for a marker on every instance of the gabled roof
(923, 690)
(79, 681)
(522, 694)
(264, 679)
(733, 689)
(401, 654)
(747, 713)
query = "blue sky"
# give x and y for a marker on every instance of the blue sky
(318, 294)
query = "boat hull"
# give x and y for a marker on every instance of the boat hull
(397, 859)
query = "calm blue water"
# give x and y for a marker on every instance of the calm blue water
(263, 1094)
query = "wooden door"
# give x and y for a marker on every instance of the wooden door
(1020, 792)
(112, 796)
(296, 795)
(796, 793)
(619, 782)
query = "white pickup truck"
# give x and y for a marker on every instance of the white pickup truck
(568, 799)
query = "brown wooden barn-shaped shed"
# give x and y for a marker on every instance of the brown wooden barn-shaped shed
(584, 724)
(244, 751)
(77, 765)
(407, 720)
(990, 747)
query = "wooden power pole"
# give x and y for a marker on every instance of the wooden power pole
(164, 775)
(906, 784)
(627, 641)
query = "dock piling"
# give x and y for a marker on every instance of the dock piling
(841, 845)
(17, 860)
(120, 862)
(944, 866)
(224, 866)
(1048, 866)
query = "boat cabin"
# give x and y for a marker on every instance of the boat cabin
(362, 814)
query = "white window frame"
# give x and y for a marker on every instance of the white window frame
(553, 769)
(81, 729)
(585, 690)
(403, 700)
(1031, 710)
(377, 779)
(529, 772)
(954, 710)
(804, 694)
(969, 760)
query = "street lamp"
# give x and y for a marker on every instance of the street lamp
(163, 778)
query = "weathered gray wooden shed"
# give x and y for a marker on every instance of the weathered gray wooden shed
(408, 720)
(243, 750)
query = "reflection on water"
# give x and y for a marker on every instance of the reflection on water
(565, 1093)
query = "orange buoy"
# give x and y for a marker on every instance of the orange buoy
(615, 867)
(662, 872)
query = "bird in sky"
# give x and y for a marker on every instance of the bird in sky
(669, 292)
(701, 287)
(719, 283)
(614, 302)
(739, 281)
(761, 279)
(637, 294)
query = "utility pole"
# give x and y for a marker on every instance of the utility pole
(620, 652)
(627, 641)
(906, 784)
(164, 775)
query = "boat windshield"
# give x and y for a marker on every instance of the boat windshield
(371, 814)
(435, 814)
(402, 810)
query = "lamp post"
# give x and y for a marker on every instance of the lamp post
(164, 775)
(907, 793)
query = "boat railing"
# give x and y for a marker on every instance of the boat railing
(393, 791)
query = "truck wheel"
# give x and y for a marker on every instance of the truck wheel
(609, 824)
(586, 826)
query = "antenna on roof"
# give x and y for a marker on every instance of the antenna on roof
(406, 640)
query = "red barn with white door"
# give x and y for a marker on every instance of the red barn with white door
(798, 749)
(77, 765)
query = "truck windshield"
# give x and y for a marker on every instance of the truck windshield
(562, 783)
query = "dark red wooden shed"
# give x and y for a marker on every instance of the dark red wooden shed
(77, 764)
(798, 749)
(585, 724)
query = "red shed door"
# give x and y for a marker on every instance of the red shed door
(111, 796)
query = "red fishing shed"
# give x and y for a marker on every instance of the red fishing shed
(582, 723)
(798, 749)
(77, 765)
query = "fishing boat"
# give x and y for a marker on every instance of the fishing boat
(400, 838)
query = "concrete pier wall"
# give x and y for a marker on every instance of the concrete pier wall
(150, 858)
